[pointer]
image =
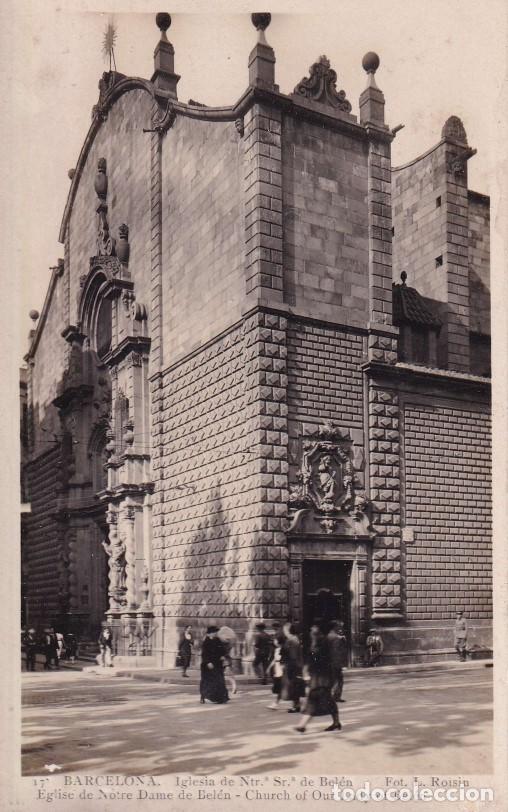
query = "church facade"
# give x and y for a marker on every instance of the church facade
(259, 387)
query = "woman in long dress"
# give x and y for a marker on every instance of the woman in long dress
(185, 649)
(213, 658)
(320, 701)
(293, 687)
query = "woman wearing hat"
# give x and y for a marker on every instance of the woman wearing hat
(213, 659)
(320, 701)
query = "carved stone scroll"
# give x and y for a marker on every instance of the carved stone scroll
(320, 86)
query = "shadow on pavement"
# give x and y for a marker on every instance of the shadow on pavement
(124, 728)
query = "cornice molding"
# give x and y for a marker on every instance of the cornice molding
(170, 109)
(447, 379)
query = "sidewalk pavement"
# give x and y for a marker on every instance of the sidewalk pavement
(174, 675)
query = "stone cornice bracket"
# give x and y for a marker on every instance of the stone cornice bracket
(320, 86)
(163, 120)
(262, 56)
(106, 85)
(164, 76)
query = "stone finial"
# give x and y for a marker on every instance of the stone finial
(372, 100)
(164, 76)
(261, 20)
(370, 62)
(261, 23)
(262, 56)
(320, 86)
(453, 128)
(163, 22)
(403, 277)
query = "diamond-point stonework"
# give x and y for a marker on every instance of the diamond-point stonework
(321, 86)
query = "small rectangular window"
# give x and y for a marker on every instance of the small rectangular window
(438, 202)
(439, 261)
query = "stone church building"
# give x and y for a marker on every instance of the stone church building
(259, 385)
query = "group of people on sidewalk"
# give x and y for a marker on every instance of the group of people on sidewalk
(312, 681)
(54, 645)
(280, 657)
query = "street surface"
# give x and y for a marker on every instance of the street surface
(419, 723)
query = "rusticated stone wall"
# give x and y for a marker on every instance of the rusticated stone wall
(43, 543)
(325, 380)
(221, 482)
(448, 504)
(46, 371)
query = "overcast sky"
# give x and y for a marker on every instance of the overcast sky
(438, 58)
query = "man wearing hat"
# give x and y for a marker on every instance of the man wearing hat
(213, 660)
(30, 646)
(262, 651)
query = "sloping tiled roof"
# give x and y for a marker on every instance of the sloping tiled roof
(410, 308)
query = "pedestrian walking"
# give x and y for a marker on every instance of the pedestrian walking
(337, 643)
(71, 646)
(185, 649)
(293, 686)
(375, 648)
(106, 648)
(229, 676)
(461, 636)
(50, 649)
(276, 671)
(320, 701)
(30, 647)
(213, 660)
(60, 646)
(262, 652)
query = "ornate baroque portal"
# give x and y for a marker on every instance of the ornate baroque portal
(329, 522)
(112, 333)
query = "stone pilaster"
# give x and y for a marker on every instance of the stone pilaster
(156, 333)
(384, 475)
(126, 532)
(267, 439)
(263, 205)
(380, 236)
(456, 256)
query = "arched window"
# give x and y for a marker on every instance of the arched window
(103, 328)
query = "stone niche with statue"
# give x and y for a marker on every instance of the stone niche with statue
(326, 495)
